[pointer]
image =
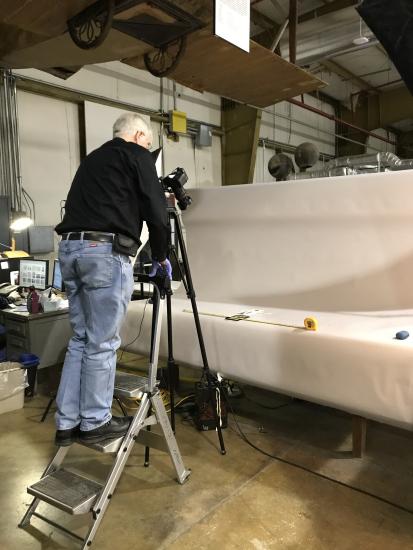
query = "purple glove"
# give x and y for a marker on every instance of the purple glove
(161, 269)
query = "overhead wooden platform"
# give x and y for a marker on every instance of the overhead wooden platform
(24, 23)
(34, 35)
(61, 51)
(260, 78)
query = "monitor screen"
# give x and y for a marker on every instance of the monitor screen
(57, 283)
(34, 273)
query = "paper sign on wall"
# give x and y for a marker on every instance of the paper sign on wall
(232, 22)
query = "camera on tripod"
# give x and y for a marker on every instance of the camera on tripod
(174, 183)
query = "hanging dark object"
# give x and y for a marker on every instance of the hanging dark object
(89, 28)
(163, 60)
(392, 23)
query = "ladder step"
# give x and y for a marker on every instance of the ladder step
(129, 385)
(108, 446)
(66, 490)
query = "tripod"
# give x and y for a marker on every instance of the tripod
(173, 372)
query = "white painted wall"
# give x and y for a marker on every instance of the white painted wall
(99, 122)
(202, 164)
(117, 81)
(50, 153)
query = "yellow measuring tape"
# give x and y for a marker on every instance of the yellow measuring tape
(310, 323)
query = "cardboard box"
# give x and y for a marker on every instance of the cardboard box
(12, 384)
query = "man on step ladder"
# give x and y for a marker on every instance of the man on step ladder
(115, 189)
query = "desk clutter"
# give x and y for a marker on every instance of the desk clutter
(34, 326)
(28, 286)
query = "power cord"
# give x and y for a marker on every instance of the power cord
(308, 470)
(164, 396)
(139, 333)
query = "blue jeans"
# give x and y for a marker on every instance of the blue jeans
(99, 285)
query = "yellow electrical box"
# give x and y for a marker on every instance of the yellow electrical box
(177, 122)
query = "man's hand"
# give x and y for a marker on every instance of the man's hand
(161, 268)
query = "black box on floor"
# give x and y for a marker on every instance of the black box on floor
(204, 412)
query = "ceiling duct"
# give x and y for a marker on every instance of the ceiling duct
(359, 164)
(332, 41)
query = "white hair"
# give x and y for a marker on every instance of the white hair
(130, 123)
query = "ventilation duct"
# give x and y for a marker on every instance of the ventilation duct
(358, 164)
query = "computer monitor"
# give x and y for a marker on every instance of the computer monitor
(57, 283)
(34, 273)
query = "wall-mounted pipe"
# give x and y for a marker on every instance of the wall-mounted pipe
(10, 165)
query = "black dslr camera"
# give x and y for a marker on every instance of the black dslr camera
(174, 183)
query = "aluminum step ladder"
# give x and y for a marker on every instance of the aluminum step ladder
(76, 494)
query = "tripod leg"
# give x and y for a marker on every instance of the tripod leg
(216, 416)
(46, 412)
(147, 449)
(191, 295)
(171, 362)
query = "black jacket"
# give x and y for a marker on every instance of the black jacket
(114, 190)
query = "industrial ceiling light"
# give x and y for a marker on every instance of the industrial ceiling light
(20, 221)
(360, 40)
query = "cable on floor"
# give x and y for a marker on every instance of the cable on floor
(313, 472)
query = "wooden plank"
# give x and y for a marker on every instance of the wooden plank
(260, 78)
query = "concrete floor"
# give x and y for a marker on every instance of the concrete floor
(243, 500)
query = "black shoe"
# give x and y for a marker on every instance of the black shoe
(116, 427)
(64, 438)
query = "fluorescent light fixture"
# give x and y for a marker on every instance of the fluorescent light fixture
(20, 221)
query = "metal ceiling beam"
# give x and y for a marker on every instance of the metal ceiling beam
(271, 30)
(292, 28)
(321, 54)
(262, 20)
(268, 38)
(279, 8)
(331, 7)
(334, 67)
